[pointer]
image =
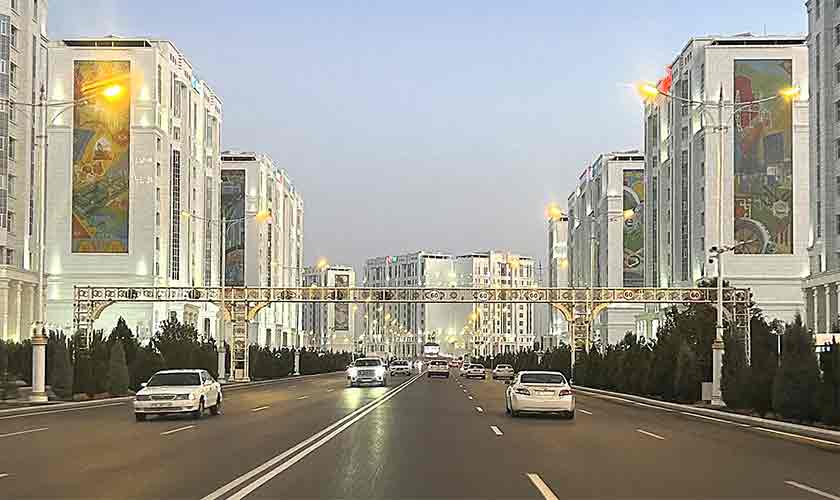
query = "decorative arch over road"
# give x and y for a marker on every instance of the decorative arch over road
(579, 306)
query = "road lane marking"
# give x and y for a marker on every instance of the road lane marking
(292, 386)
(348, 419)
(646, 433)
(470, 397)
(324, 435)
(23, 432)
(812, 490)
(330, 390)
(480, 409)
(798, 436)
(92, 407)
(584, 411)
(714, 419)
(261, 408)
(543, 488)
(179, 429)
(303, 397)
(3, 475)
(496, 430)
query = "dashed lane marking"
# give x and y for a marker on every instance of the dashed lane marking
(584, 411)
(496, 430)
(179, 429)
(646, 433)
(303, 397)
(540, 485)
(330, 390)
(3, 475)
(812, 490)
(260, 408)
(23, 432)
(479, 409)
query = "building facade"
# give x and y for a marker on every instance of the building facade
(330, 327)
(605, 238)
(558, 268)
(821, 288)
(263, 239)
(766, 195)
(23, 78)
(133, 192)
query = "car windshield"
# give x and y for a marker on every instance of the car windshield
(174, 378)
(543, 378)
(368, 362)
(438, 363)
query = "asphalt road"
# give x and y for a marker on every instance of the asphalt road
(417, 438)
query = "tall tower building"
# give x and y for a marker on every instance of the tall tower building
(23, 76)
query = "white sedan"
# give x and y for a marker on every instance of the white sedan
(178, 392)
(540, 392)
(503, 371)
(475, 370)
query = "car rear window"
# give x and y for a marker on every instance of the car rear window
(504, 367)
(368, 362)
(399, 363)
(543, 378)
(477, 366)
(438, 363)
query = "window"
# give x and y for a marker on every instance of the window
(3, 68)
(13, 145)
(837, 222)
(13, 74)
(838, 184)
(817, 55)
(15, 4)
(176, 133)
(10, 256)
(35, 10)
(11, 219)
(157, 243)
(4, 27)
(837, 111)
(157, 195)
(836, 35)
(13, 36)
(12, 183)
(819, 219)
(837, 73)
(816, 8)
(175, 239)
(12, 112)
(836, 143)
(2, 143)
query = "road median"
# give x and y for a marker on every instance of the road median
(827, 438)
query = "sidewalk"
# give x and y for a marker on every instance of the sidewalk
(825, 438)
(28, 406)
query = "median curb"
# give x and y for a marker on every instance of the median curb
(832, 437)
(101, 402)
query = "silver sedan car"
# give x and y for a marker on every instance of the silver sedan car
(540, 392)
(503, 371)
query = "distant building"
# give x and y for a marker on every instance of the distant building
(132, 178)
(766, 189)
(606, 220)
(558, 269)
(263, 253)
(330, 327)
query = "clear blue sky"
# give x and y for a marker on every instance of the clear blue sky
(438, 125)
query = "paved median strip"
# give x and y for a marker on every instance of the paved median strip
(34, 414)
(798, 436)
(713, 419)
(261, 408)
(812, 490)
(179, 429)
(646, 433)
(540, 485)
(302, 449)
(19, 433)
(496, 430)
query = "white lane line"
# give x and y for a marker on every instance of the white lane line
(292, 386)
(584, 411)
(496, 430)
(330, 431)
(798, 436)
(704, 417)
(3, 475)
(59, 411)
(303, 397)
(261, 408)
(646, 433)
(23, 432)
(330, 390)
(651, 406)
(470, 397)
(479, 409)
(543, 488)
(179, 429)
(812, 490)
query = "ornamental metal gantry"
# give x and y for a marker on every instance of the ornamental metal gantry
(579, 306)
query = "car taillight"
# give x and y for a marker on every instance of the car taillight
(564, 392)
(522, 390)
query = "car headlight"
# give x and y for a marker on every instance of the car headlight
(185, 396)
(352, 371)
(142, 397)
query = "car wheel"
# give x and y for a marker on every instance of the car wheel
(200, 411)
(140, 417)
(570, 415)
(384, 384)
(216, 409)
(429, 375)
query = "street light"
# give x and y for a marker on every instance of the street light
(650, 92)
(110, 91)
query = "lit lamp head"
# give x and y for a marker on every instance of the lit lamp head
(628, 214)
(791, 93)
(112, 92)
(263, 216)
(647, 91)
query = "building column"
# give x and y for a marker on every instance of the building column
(18, 289)
(4, 310)
(32, 292)
(830, 313)
(816, 310)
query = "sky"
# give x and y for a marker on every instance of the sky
(432, 125)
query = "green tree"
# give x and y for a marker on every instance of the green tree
(686, 374)
(123, 334)
(177, 344)
(118, 378)
(763, 362)
(797, 379)
(735, 374)
(829, 394)
(61, 374)
(146, 363)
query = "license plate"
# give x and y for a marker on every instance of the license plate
(159, 405)
(544, 393)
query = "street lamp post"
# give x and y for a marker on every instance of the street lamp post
(649, 92)
(109, 90)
